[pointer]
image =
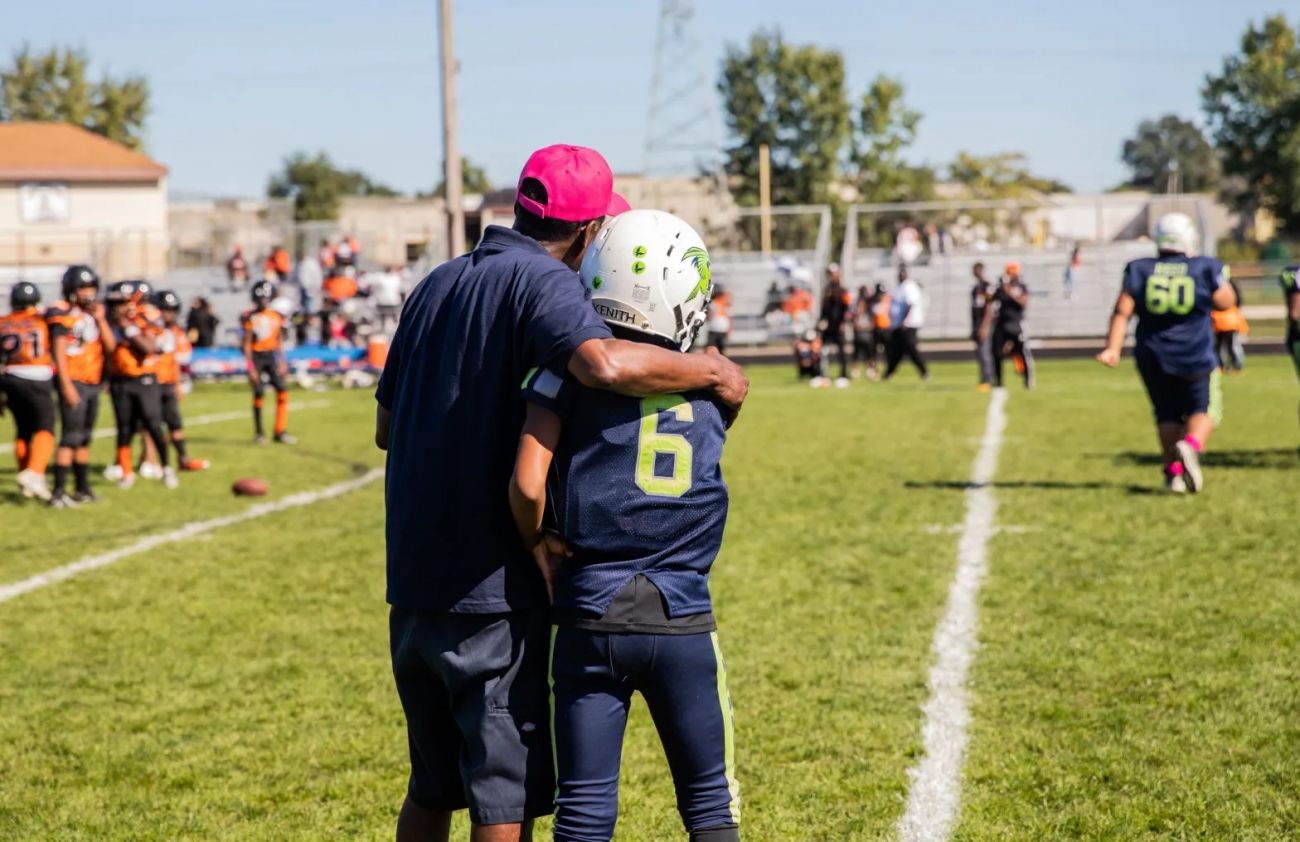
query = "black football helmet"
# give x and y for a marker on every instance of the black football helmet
(123, 291)
(165, 299)
(24, 294)
(77, 277)
(263, 292)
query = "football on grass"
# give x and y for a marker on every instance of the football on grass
(249, 487)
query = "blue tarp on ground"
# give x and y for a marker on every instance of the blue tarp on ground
(229, 362)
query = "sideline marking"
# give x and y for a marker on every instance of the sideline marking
(935, 793)
(196, 421)
(189, 530)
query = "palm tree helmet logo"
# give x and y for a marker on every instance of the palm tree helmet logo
(700, 259)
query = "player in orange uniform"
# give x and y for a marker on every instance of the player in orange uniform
(264, 351)
(26, 369)
(174, 351)
(134, 375)
(81, 339)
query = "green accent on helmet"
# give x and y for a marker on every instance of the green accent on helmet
(638, 251)
(597, 282)
(700, 258)
(638, 267)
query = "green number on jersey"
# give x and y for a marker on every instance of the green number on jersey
(652, 442)
(1166, 294)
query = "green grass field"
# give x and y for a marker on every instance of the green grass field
(1138, 675)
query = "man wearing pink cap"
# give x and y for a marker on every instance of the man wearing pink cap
(469, 623)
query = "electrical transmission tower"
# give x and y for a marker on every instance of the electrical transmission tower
(682, 133)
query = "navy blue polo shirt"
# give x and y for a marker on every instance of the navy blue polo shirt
(468, 335)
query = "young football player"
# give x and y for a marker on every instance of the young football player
(1004, 320)
(174, 351)
(82, 340)
(1172, 295)
(640, 506)
(264, 352)
(26, 369)
(133, 382)
(1291, 292)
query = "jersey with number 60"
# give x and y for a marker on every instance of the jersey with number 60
(636, 488)
(1174, 298)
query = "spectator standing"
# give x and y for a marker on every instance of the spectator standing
(908, 317)
(325, 255)
(719, 323)
(1071, 270)
(278, 266)
(981, 298)
(834, 314)
(1229, 327)
(237, 268)
(387, 294)
(881, 326)
(201, 324)
(861, 331)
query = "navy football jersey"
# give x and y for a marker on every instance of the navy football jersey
(1173, 294)
(636, 487)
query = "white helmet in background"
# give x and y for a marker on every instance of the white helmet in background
(1176, 232)
(649, 271)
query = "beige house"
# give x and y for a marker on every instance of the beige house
(68, 195)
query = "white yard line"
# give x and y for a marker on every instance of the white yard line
(935, 794)
(196, 421)
(190, 530)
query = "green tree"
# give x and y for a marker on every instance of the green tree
(316, 186)
(54, 87)
(1253, 108)
(1169, 152)
(473, 178)
(883, 128)
(791, 98)
(1001, 176)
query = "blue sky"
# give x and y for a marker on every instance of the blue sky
(239, 84)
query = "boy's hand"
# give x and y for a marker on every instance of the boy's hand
(1109, 358)
(549, 553)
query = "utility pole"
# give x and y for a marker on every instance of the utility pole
(765, 198)
(451, 175)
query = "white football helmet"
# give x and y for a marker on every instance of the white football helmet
(649, 271)
(1176, 232)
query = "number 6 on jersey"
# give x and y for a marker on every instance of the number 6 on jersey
(651, 443)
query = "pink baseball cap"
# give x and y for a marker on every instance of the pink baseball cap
(579, 184)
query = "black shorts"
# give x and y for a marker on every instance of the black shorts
(474, 690)
(1176, 397)
(78, 422)
(137, 405)
(266, 369)
(31, 402)
(171, 407)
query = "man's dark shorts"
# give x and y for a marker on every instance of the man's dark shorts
(475, 693)
(266, 370)
(79, 421)
(171, 407)
(1174, 397)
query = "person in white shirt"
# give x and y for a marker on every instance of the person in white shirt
(386, 291)
(909, 318)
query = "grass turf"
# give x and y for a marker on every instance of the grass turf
(1137, 672)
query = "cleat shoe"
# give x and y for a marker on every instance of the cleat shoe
(83, 497)
(259, 439)
(126, 482)
(169, 478)
(32, 484)
(1191, 466)
(842, 383)
(195, 465)
(150, 470)
(1175, 484)
(113, 473)
(62, 501)
(984, 388)
(285, 438)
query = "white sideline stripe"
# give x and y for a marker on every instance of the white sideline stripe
(189, 530)
(935, 793)
(196, 421)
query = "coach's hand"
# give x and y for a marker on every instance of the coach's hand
(549, 553)
(733, 385)
(1108, 358)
